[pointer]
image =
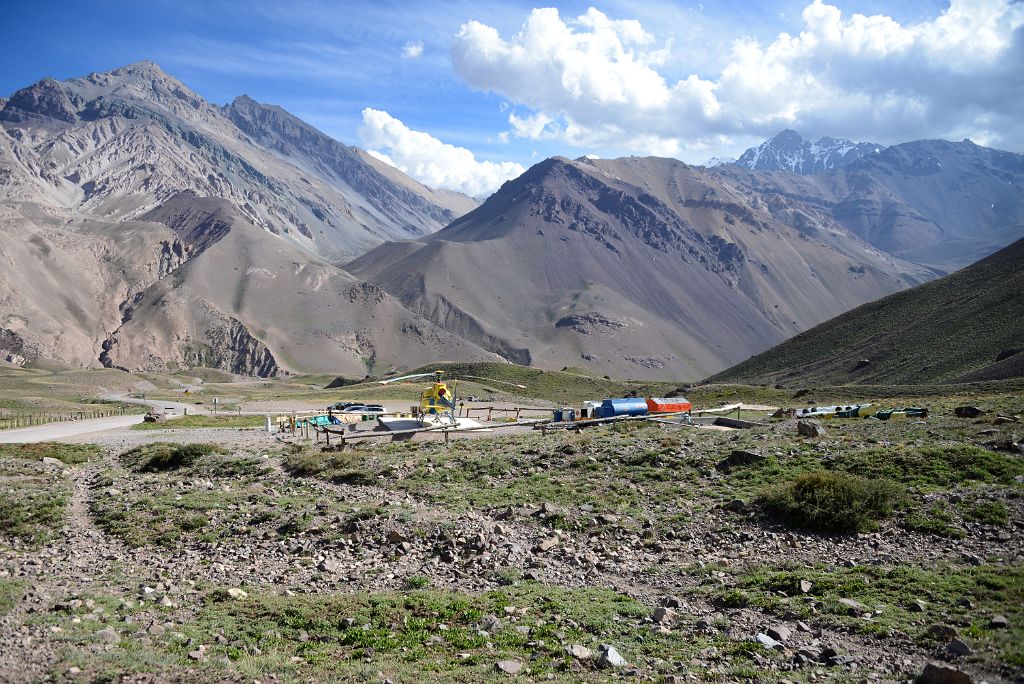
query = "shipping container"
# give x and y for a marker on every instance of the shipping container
(669, 405)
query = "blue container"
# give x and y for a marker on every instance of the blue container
(623, 407)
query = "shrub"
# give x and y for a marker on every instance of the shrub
(833, 502)
(161, 456)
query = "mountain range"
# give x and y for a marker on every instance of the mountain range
(146, 228)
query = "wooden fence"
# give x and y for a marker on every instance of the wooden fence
(19, 419)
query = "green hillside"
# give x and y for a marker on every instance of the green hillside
(949, 330)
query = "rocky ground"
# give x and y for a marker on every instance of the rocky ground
(642, 552)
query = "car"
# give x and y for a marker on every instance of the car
(342, 405)
(363, 408)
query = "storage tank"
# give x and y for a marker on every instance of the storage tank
(669, 405)
(623, 407)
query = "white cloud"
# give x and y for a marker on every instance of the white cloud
(593, 81)
(412, 50)
(430, 161)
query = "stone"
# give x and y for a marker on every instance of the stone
(672, 602)
(609, 657)
(739, 458)
(853, 607)
(778, 632)
(155, 417)
(512, 667)
(47, 461)
(810, 428)
(396, 537)
(805, 586)
(490, 623)
(768, 642)
(580, 652)
(735, 505)
(967, 411)
(998, 622)
(937, 673)
(236, 593)
(917, 606)
(108, 635)
(943, 632)
(329, 565)
(959, 648)
(662, 615)
(548, 544)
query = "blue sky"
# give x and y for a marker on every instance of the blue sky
(328, 61)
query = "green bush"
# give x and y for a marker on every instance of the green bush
(833, 502)
(161, 456)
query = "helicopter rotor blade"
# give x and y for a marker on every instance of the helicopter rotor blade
(404, 377)
(500, 382)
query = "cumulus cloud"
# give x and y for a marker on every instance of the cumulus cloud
(412, 50)
(430, 161)
(595, 81)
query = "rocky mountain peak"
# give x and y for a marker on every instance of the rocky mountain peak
(789, 151)
(46, 99)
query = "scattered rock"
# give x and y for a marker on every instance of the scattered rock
(609, 657)
(958, 648)
(108, 635)
(768, 642)
(662, 615)
(512, 667)
(580, 652)
(937, 673)
(967, 411)
(396, 537)
(329, 565)
(943, 632)
(155, 417)
(810, 428)
(853, 607)
(739, 458)
(548, 544)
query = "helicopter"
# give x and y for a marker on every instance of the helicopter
(437, 403)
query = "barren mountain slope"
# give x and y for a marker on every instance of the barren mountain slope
(193, 284)
(639, 267)
(964, 327)
(118, 144)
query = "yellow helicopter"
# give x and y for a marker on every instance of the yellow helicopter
(439, 401)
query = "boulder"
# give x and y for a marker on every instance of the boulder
(967, 411)
(609, 657)
(155, 417)
(937, 673)
(739, 458)
(810, 428)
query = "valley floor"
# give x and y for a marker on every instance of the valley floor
(250, 557)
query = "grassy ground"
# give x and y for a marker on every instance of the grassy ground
(33, 495)
(202, 421)
(641, 511)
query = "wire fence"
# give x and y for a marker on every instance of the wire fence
(10, 419)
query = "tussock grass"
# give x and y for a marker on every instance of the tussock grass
(833, 502)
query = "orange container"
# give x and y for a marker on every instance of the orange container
(668, 405)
